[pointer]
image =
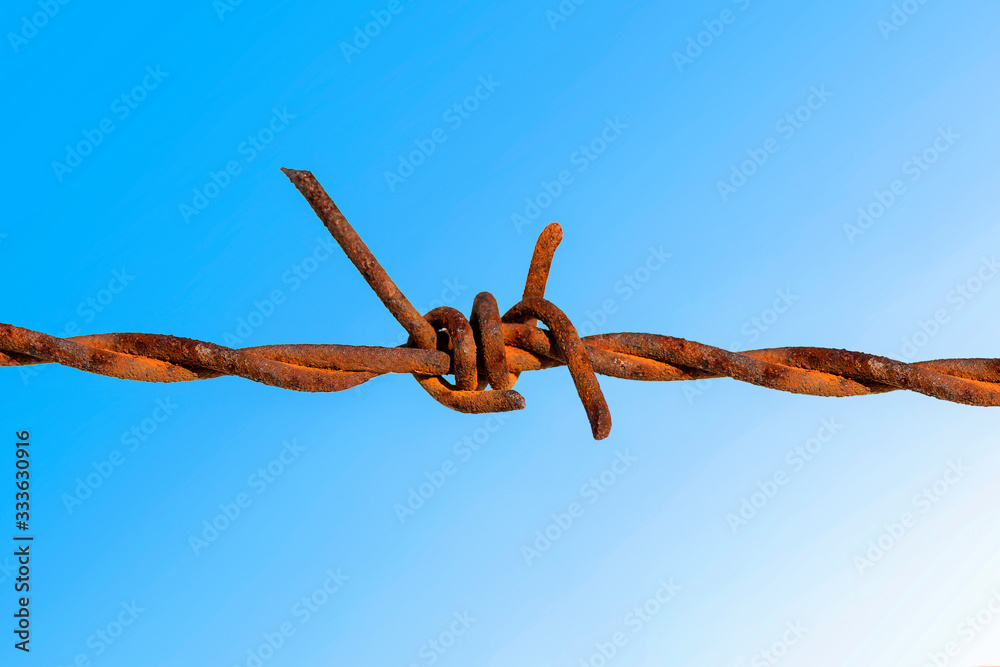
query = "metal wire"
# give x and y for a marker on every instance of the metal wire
(486, 354)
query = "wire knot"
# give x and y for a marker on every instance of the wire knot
(487, 353)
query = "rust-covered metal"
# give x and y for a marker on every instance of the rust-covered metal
(486, 354)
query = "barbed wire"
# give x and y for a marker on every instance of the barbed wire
(486, 353)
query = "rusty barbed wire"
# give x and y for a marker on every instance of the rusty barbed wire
(487, 353)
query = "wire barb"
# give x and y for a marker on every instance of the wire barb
(487, 353)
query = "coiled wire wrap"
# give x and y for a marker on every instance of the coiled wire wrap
(486, 354)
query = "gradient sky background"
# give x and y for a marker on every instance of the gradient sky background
(445, 233)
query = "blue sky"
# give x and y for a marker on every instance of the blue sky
(728, 144)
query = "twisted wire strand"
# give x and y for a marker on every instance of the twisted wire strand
(487, 353)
